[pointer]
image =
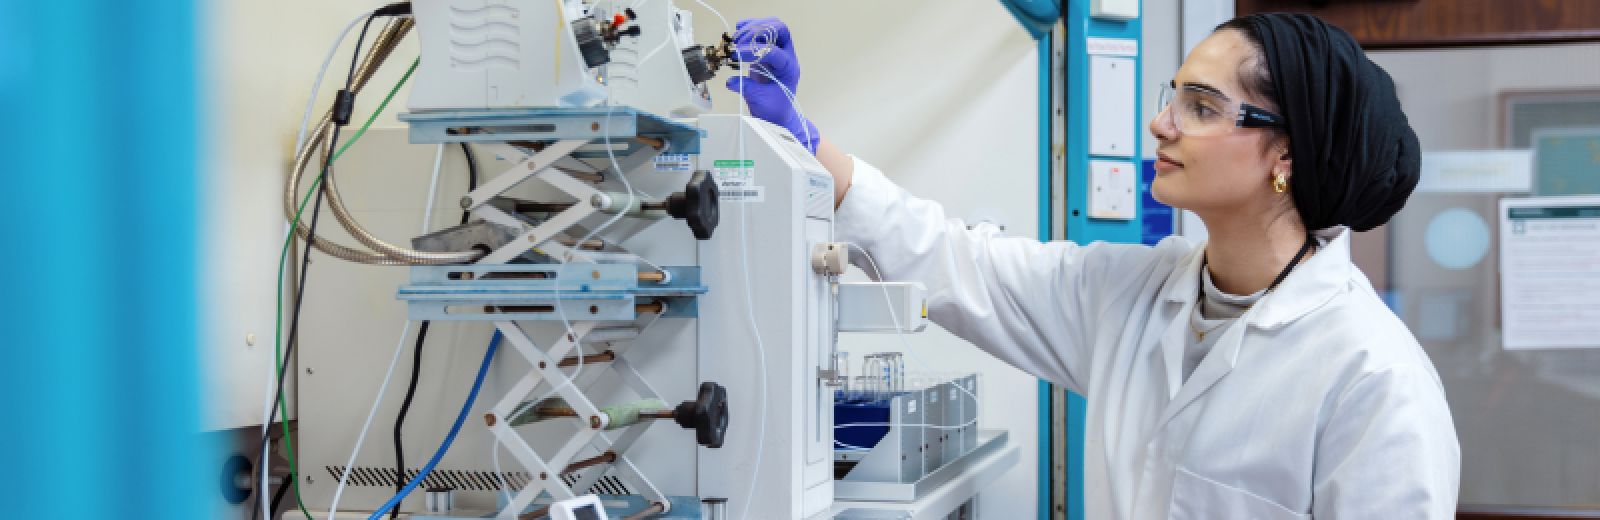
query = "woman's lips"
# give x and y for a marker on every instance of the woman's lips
(1165, 163)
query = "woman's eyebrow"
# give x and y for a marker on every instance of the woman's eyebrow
(1202, 87)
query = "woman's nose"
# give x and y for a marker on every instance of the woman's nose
(1161, 126)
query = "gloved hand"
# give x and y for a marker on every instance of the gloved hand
(764, 46)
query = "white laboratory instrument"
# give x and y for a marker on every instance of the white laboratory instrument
(652, 72)
(509, 54)
(486, 54)
(629, 260)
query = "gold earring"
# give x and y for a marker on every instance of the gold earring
(1280, 183)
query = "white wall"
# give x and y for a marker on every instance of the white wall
(943, 99)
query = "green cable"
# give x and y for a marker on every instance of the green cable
(283, 413)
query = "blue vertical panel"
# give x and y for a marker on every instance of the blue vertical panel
(97, 323)
(1046, 229)
(1079, 227)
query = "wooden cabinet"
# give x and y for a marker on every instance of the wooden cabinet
(1379, 24)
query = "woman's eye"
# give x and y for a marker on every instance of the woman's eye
(1199, 109)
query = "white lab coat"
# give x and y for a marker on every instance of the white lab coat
(1322, 406)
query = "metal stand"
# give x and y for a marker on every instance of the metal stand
(583, 288)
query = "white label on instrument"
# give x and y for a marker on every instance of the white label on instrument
(819, 195)
(736, 181)
(673, 162)
(911, 406)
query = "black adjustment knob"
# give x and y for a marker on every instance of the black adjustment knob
(707, 415)
(697, 204)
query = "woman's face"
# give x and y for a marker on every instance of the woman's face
(1211, 166)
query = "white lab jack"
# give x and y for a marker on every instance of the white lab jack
(1317, 403)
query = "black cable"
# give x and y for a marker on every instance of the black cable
(400, 420)
(472, 176)
(299, 297)
(345, 101)
(472, 167)
(277, 498)
(416, 357)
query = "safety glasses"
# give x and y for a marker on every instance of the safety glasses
(1201, 110)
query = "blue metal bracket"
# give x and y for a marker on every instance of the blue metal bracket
(546, 292)
(547, 124)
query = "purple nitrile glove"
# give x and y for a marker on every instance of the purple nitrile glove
(763, 45)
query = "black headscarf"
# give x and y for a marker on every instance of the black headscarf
(1356, 159)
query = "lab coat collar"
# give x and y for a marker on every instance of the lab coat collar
(1183, 285)
(1216, 364)
(1308, 286)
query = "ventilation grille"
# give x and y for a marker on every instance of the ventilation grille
(484, 36)
(607, 485)
(466, 480)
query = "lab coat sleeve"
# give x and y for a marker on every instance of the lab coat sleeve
(1389, 450)
(1021, 300)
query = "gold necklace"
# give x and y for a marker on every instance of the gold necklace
(1200, 335)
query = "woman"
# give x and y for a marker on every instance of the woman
(1256, 375)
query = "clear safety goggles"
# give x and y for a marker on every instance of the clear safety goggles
(1201, 111)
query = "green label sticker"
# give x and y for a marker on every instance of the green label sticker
(736, 181)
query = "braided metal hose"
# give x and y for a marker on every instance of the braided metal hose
(386, 253)
(383, 43)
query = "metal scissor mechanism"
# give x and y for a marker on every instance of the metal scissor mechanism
(540, 264)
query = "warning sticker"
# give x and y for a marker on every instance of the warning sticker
(736, 181)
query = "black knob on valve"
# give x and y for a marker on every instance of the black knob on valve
(707, 415)
(697, 204)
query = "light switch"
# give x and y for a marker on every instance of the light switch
(1112, 112)
(1113, 190)
(1114, 9)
